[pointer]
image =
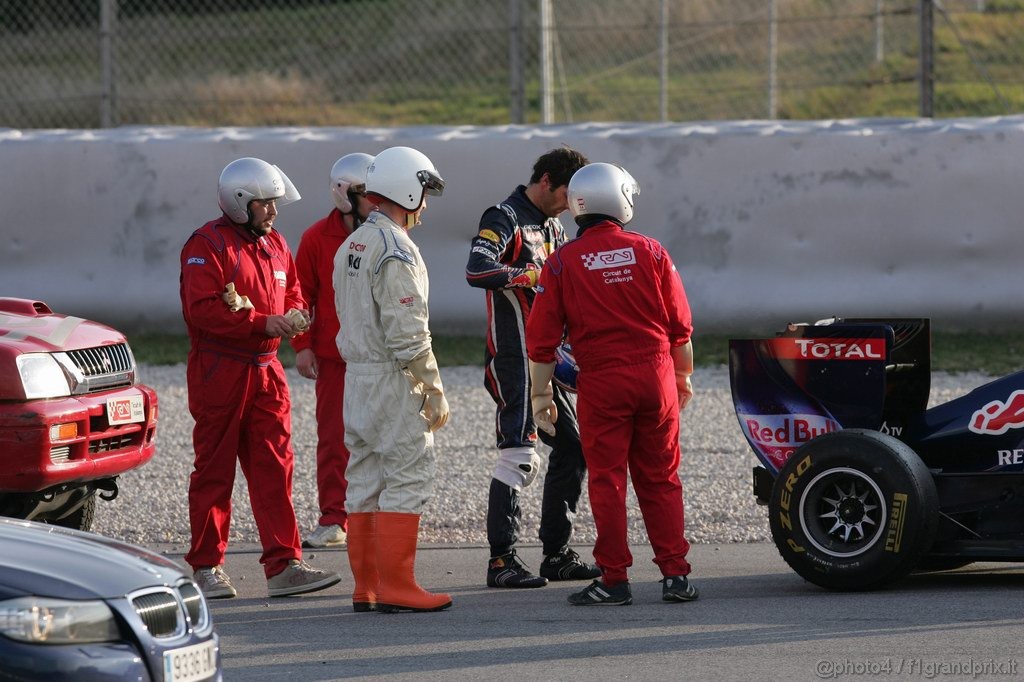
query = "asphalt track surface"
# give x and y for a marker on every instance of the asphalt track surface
(755, 620)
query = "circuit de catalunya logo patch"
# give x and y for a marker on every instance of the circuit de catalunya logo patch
(997, 417)
(609, 259)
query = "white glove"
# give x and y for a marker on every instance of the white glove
(423, 369)
(682, 359)
(299, 320)
(542, 397)
(234, 301)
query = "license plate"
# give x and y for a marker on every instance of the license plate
(190, 663)
(125, 410)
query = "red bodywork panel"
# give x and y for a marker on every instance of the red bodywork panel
(31, 460)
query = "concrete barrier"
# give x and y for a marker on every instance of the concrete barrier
(766, 221)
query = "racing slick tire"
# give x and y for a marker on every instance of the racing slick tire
(853, 510)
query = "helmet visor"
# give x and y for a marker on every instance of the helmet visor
(433, 184)
(291, 194)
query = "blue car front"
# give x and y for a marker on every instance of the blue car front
(78, 606)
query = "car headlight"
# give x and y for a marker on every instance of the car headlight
(39, 620)
(42, 377)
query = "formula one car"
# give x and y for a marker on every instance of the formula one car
(863, 482)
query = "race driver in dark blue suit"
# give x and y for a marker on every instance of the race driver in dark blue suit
(514, 239)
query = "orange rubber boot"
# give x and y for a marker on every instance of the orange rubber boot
(362, 557)
(397, 535)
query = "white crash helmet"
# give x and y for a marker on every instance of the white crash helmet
(348, 173)
(403, 175)
(246, 179)
(602, 189)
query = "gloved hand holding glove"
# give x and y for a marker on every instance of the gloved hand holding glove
(235, 301)
(423, 369)
(542, 396)
(682, 359)
(299, 320)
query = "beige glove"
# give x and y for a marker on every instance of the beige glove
(542, 397)
(682, 359)
(423, 369)
(234, 300)
(299, 320)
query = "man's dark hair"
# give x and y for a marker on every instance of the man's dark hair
(559, 164)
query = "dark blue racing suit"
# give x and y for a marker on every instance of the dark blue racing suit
(505, 259)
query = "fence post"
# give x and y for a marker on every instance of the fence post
(773, 58)
(547, 74)
(108, 84)
(515, 60)
(879, 31)
(664, 62)
(927, 75)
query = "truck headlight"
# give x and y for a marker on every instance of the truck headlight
(40, 620)
(41, 376)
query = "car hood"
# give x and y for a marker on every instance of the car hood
(51, 561)
(31, 327)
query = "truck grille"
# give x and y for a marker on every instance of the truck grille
(101, 368)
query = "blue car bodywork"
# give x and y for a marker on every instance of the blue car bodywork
(863, 481)
(162, 628)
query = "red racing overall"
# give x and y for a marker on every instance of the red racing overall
(237, 390)
(620, 298)
(314, 264)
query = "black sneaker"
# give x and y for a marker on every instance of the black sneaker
(597, 593)
(508, 571)
(567, 566)
(678, 588)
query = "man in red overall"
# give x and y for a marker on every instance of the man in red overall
(239, 296)
(619, 298)
(316, 353)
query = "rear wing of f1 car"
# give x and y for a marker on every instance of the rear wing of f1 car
(810, 379)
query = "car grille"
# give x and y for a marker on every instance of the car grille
(110, 444)
(103, 367)
(61, 454)
(170, 612)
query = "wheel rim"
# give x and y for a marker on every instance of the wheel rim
(842, 512)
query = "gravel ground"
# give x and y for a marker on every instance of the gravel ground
(716, 466)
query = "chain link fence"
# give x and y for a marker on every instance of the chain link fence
(100, 63)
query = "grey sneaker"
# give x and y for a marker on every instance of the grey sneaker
(678, 588)
(214, 583)
(325, 536)
(300, 578)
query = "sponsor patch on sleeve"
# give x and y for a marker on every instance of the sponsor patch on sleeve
(489, 235)
(195, 260)
(485, 251)
(407, 301)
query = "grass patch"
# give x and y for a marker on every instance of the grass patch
(992, 353)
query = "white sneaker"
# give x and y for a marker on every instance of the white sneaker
(325, 536)
(300, 578)
(214, 583)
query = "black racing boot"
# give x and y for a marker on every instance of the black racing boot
(567, 566)
(508, 571)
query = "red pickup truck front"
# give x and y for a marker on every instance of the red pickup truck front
(72, 416)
